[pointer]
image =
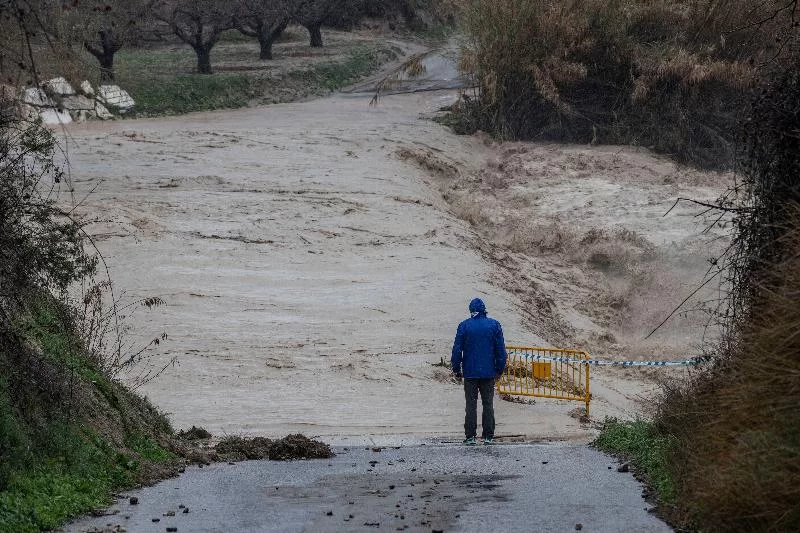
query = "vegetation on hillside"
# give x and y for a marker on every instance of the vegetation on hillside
(671, 75)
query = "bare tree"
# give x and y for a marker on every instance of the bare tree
(312, 14)
(198, 23)
(103, 28)
(265, 20)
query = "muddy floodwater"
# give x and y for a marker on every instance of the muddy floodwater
(310, 275)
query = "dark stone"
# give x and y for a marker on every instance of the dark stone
(578, 527)
(329, 513)
(624, 467)
(133, 500)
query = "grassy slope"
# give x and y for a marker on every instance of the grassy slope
(69, 436)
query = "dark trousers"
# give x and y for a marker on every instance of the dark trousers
(472, 387)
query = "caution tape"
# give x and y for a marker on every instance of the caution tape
(597, 362)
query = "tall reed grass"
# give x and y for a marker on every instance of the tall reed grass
(670, 75)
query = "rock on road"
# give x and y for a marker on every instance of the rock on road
(514, 487)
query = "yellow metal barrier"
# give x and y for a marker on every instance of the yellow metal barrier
(565, 377)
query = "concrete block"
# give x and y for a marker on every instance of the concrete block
(113, 96)
(87, 89)
(77, 102)
(58, 86)
(102, 112)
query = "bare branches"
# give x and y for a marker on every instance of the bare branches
(723, 207)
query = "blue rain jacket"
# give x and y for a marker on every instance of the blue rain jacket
(479, 350)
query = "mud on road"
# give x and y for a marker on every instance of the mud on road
(312, 274)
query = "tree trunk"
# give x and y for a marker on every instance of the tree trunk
(106, 66)
(203, 59)
(315, 32)
(265, 40)
(267, 37)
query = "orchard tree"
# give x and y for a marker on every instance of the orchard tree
(265, 20)
(105, 27)
(198, 23)
(312, 14)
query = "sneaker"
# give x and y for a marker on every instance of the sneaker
(488, 441)
(470, 441)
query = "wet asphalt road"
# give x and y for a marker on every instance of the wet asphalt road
(506, 487)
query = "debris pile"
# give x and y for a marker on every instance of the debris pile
(195, 433)
(295, 446)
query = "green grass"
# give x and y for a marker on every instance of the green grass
(334, 75)
(639, 442)
(192, 92)
(70, 471)
(163, 82)
(148, 449)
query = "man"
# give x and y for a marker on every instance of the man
(479, 356)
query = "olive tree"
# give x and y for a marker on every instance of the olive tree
(198, 23)
(312, 14)
(104, 28)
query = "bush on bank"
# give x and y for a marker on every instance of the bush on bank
(669, 75)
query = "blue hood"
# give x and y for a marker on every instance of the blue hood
(477, 306)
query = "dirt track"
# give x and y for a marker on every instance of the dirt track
(311, 274)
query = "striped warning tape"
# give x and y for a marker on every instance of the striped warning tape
(597, 362)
